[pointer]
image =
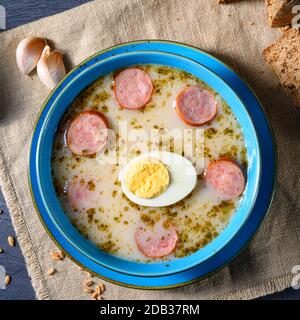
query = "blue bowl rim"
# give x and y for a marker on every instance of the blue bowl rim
(160, 54)
(248, 232)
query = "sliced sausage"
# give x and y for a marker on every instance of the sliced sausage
(81, 193)
(157, 241)
(88, 133)
(133, 88)
(196, 106)
(226, 176)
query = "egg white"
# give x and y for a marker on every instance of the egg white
(183, 178)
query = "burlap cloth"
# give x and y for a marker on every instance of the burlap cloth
(234, 33)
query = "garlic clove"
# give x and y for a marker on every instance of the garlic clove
(51, 68)
(28, 53)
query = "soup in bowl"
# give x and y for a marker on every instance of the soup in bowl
(154, 165)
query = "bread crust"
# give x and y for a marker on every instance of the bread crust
(283, 58)
(280, 12)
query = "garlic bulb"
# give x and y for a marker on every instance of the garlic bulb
(51, 68)
(28, 53)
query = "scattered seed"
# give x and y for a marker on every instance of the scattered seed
(88, 283)
(102, 287)
(94, 295)
(11, 241)
(89, 275)
(62, 255)
(7, 280)
(98, 290)
(88, 290)
(55, 256)
(51, 272)
(1, 250)
(1, 211)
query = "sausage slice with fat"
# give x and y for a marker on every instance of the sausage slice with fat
(133, 88)
(226, 177)
(196, 106)
(87, 134)
(156, 241)
(81, 193)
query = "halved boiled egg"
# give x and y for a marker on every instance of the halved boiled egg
(158, 179)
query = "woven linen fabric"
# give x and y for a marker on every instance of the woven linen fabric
(236, 34)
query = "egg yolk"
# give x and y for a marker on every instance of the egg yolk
(147, 178)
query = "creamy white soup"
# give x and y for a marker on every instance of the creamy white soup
(169, 112)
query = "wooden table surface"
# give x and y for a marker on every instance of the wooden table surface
(19, 12)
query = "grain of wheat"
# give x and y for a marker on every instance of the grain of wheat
(55, 256)
(88, 290)
(7, 280)
(11, 241)
(90, 275)
(98, 290)
(88, 283)
(102, 287)
(62, 255)
(51, 272)
(94, 295)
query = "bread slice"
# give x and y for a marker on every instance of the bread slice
(280, 11)
(283, 57)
